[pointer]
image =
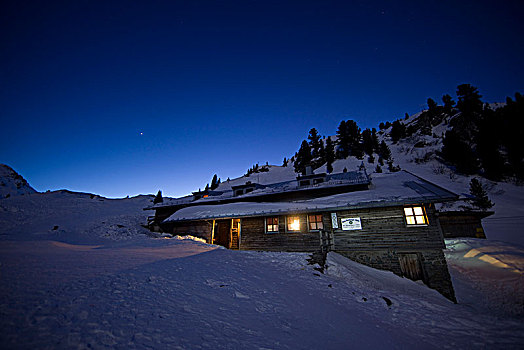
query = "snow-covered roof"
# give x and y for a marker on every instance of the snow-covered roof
(386, 190)
(351, 178)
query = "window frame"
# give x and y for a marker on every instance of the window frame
(288, 223)
(309, 222)
(266, 224)
(415, 216)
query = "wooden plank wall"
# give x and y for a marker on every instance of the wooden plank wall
(201, 229)
(461, 226)
(385, 228)
(255, 238)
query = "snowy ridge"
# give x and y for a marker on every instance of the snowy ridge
(12, 183)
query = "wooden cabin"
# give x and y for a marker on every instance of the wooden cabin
(388, 222)
(463, 223)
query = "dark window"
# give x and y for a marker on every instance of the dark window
(317, 181)
(272, 224)
(249, 189)
(304, 183)
(239, 192)
(315, 222)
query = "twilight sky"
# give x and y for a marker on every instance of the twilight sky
(126, 97)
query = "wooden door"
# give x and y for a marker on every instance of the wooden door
(222, 233)
(410, 266)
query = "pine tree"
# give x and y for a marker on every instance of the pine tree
(448, 103)
(378, 169)
(349, 140)
(469, 99)
(511, 132)
(214, 182)
(354, 139)
(284, 163)
(480, 197)
(343, 141)
(314, 142)
(329, 155)
(456, 151)
(432, 105)
(367, 142)
(329, 168)
(374, 139)
(303, 158)
(488, 140)
(398, 131)
(321, 155)
(345, 170)
(384, 151)
(158, 198)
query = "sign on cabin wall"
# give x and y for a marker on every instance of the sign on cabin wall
(334, 220)
(349, 224)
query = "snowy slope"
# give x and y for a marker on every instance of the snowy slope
(488, 276)
(72, 217)
(181, 293)
(12, 184)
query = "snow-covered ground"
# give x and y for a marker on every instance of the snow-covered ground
(99, 281)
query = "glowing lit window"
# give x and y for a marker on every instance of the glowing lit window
(415, 216)
(271, 225)
(205, 196)
(315, 222)
(293, 223)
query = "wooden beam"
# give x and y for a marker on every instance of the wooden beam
(212, 232)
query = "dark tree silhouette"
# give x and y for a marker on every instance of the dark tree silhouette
(432, 105)
(214, 182)
(158, 198)
(374, 139)
(367, 142)
(448, 103)
(459, 153)
(329, 155)
(384, 152)
(349, 140)
(303, 158)
(398, 131)
(314, 142)
(468, 99)
(480, 196)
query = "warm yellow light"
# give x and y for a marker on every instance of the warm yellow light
(295, 226)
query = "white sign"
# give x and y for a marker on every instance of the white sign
(334, 220)
(349, 224)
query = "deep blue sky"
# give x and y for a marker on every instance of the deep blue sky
(218, 86)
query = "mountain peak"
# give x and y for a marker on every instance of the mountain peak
(12, 183)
